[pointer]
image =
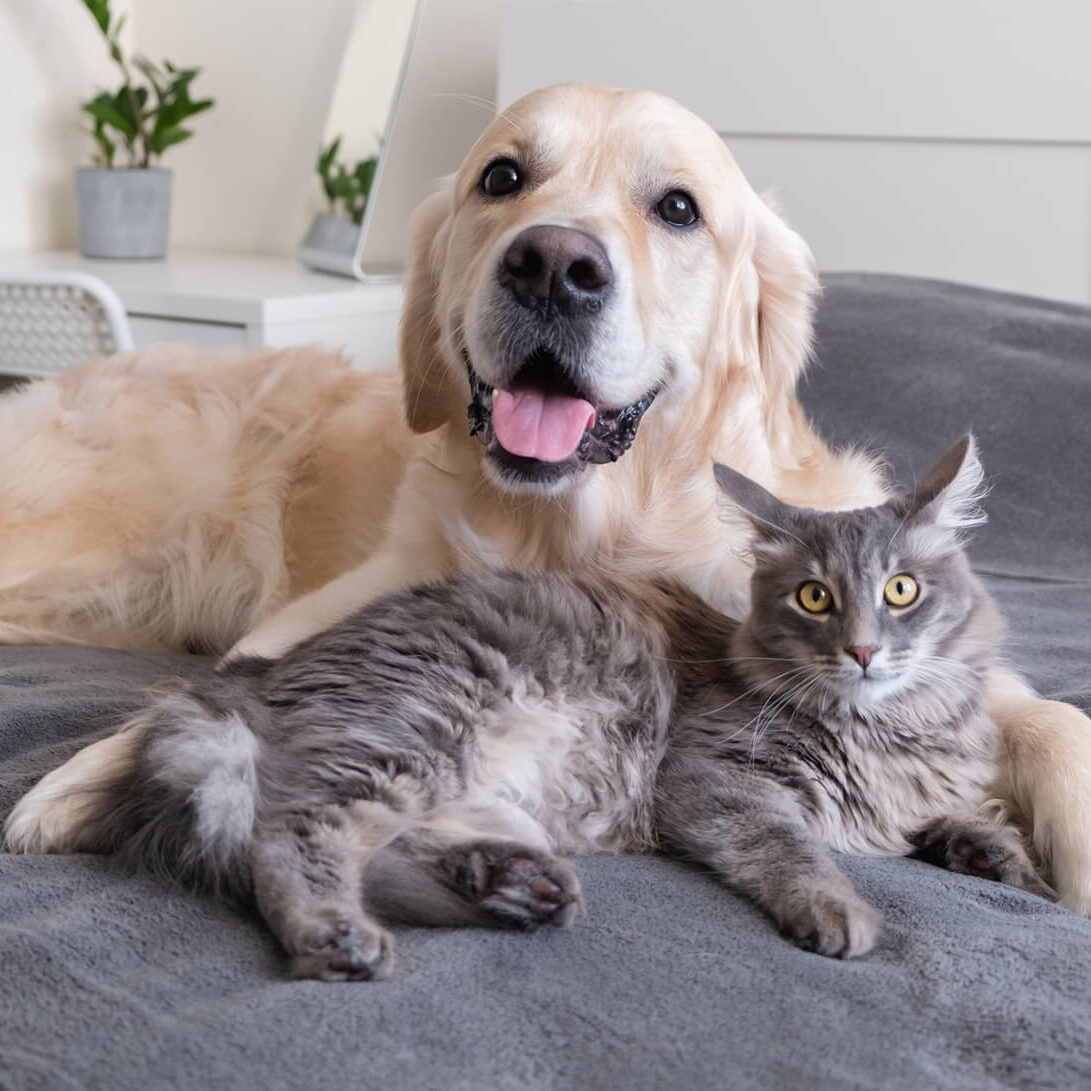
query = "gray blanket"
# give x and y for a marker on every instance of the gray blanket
(118, 981)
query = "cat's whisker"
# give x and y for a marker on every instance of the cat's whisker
(779, 692)
(762, 728)
(772, 708)
(753, 689)
(732, 659)
(800, 700)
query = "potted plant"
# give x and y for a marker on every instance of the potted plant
(124, 208)
(347, 188)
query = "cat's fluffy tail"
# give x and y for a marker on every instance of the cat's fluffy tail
(184, 803)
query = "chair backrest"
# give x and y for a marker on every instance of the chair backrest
(50, 322)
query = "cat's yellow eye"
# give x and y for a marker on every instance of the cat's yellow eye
(814, 597)
(901, 590)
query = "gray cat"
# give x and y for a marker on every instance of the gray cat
(431, 755)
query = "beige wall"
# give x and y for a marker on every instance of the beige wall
(933, 138)
(363, 97)
(244, 180)
(244, 183)
(51, 56)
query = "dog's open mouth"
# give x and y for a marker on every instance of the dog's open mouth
(545, 420)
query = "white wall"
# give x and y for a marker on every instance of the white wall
(937, 138)
(245, 182)
(364, 94)
(51, 58)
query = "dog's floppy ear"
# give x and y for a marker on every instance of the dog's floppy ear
(425, 378)
(787, 287)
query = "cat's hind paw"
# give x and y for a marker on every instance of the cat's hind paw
(978, 847)
(519, 887)
(988, 855)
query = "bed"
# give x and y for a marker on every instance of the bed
(114, 980)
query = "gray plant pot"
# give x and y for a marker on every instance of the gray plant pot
(330, 244)
(124, 212)
(333, 234)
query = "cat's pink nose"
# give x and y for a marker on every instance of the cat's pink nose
(862, 653)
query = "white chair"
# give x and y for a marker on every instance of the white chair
(50, 322)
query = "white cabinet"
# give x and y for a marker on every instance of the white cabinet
(232, 300)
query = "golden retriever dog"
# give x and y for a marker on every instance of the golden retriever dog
(617, 308)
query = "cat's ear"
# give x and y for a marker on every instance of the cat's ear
(770, 516)
(949, 495)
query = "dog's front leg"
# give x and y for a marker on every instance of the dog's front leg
(1045, 772)
(311, 613)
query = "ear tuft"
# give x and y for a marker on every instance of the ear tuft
(950, 494)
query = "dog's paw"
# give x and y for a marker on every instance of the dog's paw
(837, 923)
(516, 886)
(338, 949)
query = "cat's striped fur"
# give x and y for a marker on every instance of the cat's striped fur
(434, 754)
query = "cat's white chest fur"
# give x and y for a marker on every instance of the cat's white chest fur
(559, 763)
(887, 796)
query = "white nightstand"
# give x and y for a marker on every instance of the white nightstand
(224, 300)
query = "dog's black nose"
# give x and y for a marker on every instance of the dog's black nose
(557, 267)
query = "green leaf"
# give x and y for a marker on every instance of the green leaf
(161, 141)
(327, 157)
(100, 11)
(105, 158)
(346, 190)
(171, 114)
(365, 174)
(178, 86)
(151, 74)
(182, 75)
(129, 103)
(189, 109)
(106, 112)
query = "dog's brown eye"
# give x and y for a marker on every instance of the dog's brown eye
(677, 209)
(501, 177)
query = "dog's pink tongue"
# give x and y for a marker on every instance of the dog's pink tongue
(547, 427)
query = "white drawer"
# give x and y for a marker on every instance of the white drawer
(149, 328)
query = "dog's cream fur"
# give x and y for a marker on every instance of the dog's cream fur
(177, 498)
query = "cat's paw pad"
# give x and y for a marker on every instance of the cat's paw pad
(835, 924)
(519, 887)
(342, 950)
(996, 855)
(978, 856)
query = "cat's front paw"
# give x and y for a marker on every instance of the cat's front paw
(834, 922)
(338, 949)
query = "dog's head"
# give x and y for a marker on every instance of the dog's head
(598, 256)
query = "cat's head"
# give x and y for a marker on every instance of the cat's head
(862, 605)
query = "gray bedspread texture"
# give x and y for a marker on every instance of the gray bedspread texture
(111, 980)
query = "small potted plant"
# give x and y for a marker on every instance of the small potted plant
(124, 208)
(347, 188)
